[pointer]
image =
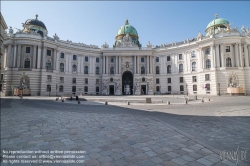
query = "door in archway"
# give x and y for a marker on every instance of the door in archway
(127, 83)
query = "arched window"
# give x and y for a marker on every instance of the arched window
(181, 88)
(194, 87)
(207, 87)
(74, 57)
(112, 70)
(60, 88)
(194, 66)
(27, 63)
(97, 89)
(169, 69)
(61, 67)
(85, 89)
(208, 64)
(228, 62)
(142, 70)
(180, 68)
(74, 68)
(97, 70)
(193, 54)
(48, 65)
(157, 70)
(86, 70)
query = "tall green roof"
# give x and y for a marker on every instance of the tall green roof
(127, 29)
(217, 21)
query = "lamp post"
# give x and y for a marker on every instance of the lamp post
(219, 88)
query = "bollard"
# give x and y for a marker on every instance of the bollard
(186, 101)
(79, 102)
(128, 103)
(62, 100)
(168, 102)
(195, 97)
(202, 100)
(162, 101)
(106, 103)
(56, 99)
(208, 99)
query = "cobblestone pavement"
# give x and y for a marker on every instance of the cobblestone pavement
(192, 134)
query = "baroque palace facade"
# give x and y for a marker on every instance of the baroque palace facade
(46, 65)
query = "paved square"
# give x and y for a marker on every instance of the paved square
(192, 134)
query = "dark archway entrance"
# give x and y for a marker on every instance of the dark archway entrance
(127, 83)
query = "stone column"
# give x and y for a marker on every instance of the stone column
(222, 50)
(14, 56)
(116, 64)
(4, 57)
(198, 60)
(186, 62)
(54, 59)
(212, 55)
(138, 59)
(107, 65)
(246, 55)
(202, 59)
(57, 59)
(241, 55)
(232, 48)
(44, 58)
(70, 64)
(236, 55)
(9, 56)
(39, 57)
(134, 64)
(103, 64)
(120, 64)
(34, 56)
(217, 55)
(79, 63)
(18, 56)
(147, 64)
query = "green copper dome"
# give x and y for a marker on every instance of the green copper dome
(217, 21)
(127, 29)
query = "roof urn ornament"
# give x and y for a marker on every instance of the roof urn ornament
(105, 45)
(11, 30)
(199, 37)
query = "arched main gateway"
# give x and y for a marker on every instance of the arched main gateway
(127, 83)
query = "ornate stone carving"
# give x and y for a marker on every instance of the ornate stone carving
(11, 30)
(24, 81)
(233, 80)
(199, 36)
(56, 37)
(244, 30)
(126, 42)
(149, 45)
(105, 45)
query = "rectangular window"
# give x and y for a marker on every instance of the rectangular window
(73, 88)
(169, 89)
(207, 51)
(61, 79)
(194, 78)
(61, 88)
(1, 77)
(207, 77)
(180, 56)
(74, 57)
(227, 48)
(157, 80)
(86, 81)
(142, 59)
(62, 55)
(48, 88)
(157, 59)
(168, 58)
(74, 80)
(181, 88)
(49, 77)
(97, 60)
(193, 54)
(207, 87)
(112, 60)
(1, 87)
(158, 89)
(97, 81)
(181, 79)
(48, 52)
(86, 59)
(169, 80)
(27, 50)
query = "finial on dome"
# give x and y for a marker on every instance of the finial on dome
(216, 16)
(36, 16)
(126, 22)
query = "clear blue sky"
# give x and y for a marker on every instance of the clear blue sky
(97, 22)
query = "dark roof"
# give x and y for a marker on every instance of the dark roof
(35, 22)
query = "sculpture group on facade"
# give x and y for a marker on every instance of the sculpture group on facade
(233, 81)
(105, 45)
(126, 42)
